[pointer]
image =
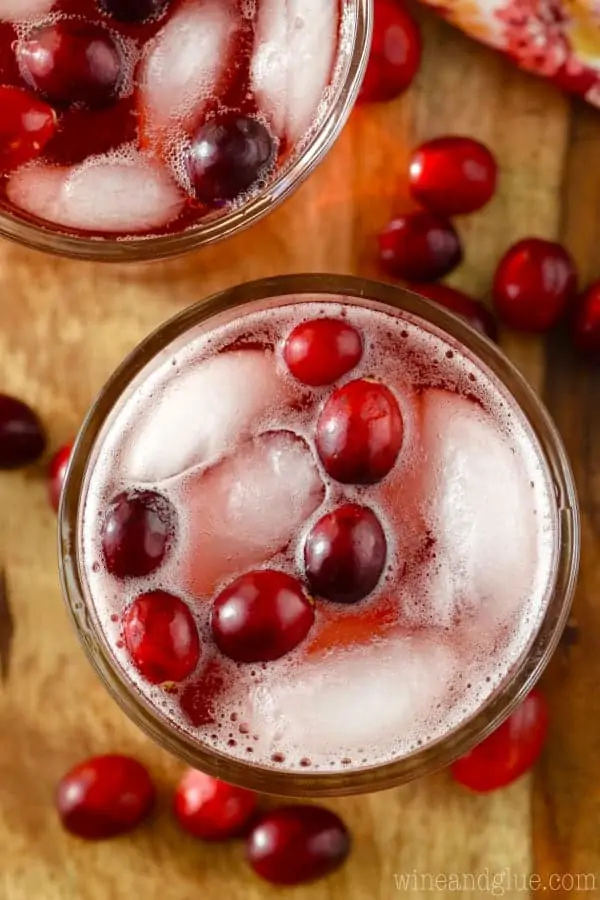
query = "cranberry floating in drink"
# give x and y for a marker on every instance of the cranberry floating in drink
(315, 536)
(166, 118)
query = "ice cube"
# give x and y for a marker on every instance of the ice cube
(481, 513)
(183, 66)
(105, 194)
(293, 61)
(202, 412)
(19, 10)
(245, 509)
(356, 702)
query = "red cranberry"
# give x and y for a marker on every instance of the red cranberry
(452, 175)
(22, 438)
(395, 52)
(295, 844)
(322, 350)
(345, 553)
(104, 796)
(509, 751)
(419, 246)
(134, 10)
(56, 474)
(161, 637)
(585, 327)
(26, 126)
(210, 809)
(200, 698)
(137, 533)
(472, 311)
(72, 62)
(534, 282)
(261, 616)
(227, 157)
(359, 432)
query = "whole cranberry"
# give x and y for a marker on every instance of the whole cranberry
(534, 283)
(295, 844)
(134, 10)
(104, 796)
(360, 432)
(472, 311)
(72, 62)
(452, 175)
(26, 126)
(509, 751)
(57, 471)
(419, 246)
(227, 156)
(395, 53)
(320, 351)
(137, 533)
(261, 616)
(161, 637)
(345, 553)
(22, 438)
(211, 809)
(585, 327)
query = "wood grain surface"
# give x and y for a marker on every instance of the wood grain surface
(66, 325)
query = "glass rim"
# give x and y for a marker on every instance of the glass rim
(36, 236)
(492, 712)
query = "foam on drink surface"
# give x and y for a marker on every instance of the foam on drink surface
(468, 510)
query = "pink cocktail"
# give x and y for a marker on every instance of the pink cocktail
(317, 538)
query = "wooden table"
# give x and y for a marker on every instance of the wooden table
(66, 325)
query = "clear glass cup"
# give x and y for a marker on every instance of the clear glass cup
(350, 67)
(224, 307)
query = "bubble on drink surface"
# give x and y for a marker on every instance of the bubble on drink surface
(202, 413)
(245, 509)
(293, 61)
(17, 10)
(118, 192)
(183, 66)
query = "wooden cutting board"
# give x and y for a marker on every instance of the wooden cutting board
(65, 326)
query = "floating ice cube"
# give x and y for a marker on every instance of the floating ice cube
(482, 514)
(355, 702)
(20, 10)
(202, 412)
(293, 61)
(131, 195)
(183, 66)
(246, 508)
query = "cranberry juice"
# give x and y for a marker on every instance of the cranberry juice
(123, 118)
(319, 534)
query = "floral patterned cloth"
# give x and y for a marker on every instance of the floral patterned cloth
(556, 38)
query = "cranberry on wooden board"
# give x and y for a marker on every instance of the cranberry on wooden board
(161, 637)
(261, 616)
(585, 325)
(22, 438)
(296, 844)
(534, 283)
(104, 796)
(320, 351)
(472, 311)
(71, 62)
(137, 533)
(360, 432)
(26, 126)
(211, 809)
(509, 751)
(452, 175)
(395, 53)
(345, 553)
(419, 246)
(57, 471)
(227, 156)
